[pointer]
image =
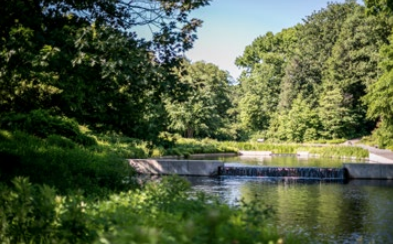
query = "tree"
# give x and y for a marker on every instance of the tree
(82, 59)
(323, 67)
(316, 39)
(299, 124)
(378, 98)
(379, 94)
(264, 62)
(351, 68)
(379, 7)
(336, 118)
(202, 110)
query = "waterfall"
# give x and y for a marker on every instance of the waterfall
(284, 172)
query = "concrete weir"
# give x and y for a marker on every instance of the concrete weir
(179, 167)
(212, 168)
(371, 171)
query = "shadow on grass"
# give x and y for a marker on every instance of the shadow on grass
(64, 165)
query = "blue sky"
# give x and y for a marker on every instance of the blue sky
(230, 25)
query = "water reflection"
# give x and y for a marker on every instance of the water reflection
(332, 212)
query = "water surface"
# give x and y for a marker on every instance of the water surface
(358, 211)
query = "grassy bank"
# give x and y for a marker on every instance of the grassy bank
(100, 166)
(80, 189)
(185, 147)
(337, 151)
(61, 163)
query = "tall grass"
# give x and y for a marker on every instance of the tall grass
(338, 151)
(275, 148)
(190, 146)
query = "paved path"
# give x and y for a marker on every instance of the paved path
(378, 155)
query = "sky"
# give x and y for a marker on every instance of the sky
(231, 25)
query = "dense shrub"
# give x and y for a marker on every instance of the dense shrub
(34, 214)
(160, 212)
(122, 146)
(381, 137)
(59, 162)
(185, 147)
(42, 124)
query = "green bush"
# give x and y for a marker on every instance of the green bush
(382, 137)
(42, 124)
(34, 214)
(186, 147)
(57, 162)
(167, 140)
(61, 142)
(160, 212)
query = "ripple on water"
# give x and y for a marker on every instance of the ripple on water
(334, 212)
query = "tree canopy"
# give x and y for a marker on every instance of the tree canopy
(325, 78)
(83, 59)
(309, 81)
(203, 109)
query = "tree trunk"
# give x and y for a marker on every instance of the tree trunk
(189, 133)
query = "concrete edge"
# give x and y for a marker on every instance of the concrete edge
(211, 168)
(370, 171)
(255, 153)
(179, 167)
(379, 159)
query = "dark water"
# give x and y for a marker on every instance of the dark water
(334, 212)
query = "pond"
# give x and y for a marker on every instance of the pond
(358, 211)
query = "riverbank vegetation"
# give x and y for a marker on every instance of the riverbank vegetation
(156, 213)
(80, 92)
(305, 83)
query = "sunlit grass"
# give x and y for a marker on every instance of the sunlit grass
(62, 163)
(191, 146)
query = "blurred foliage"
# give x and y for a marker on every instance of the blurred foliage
(160, 212)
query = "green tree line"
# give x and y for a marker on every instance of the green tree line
(83, 60)
(325, 78)
(80, 91)
(321, 79)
